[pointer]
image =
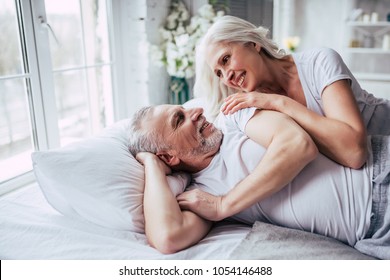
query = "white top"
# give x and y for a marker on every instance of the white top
(320, 67)
(325, 198)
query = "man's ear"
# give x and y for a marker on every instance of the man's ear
(170, 160)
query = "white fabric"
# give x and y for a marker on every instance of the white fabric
(31, 229)
(98, 180)
(325, 198)
(319, 68)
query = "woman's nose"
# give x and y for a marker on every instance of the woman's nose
(227, 76)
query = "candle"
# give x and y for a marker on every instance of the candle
(374, 17)
(366, 18)
(386, 42)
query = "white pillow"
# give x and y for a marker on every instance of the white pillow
(98, 179)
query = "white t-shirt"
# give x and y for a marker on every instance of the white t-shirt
(325, 198)
(320, 67)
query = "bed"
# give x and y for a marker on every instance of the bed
(32, 229)
(87, 203)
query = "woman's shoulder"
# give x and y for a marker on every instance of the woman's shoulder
(320, 52)
(318, 56)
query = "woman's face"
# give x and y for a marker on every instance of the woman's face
(237, 65)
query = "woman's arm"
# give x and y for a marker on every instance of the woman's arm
(289, 150)
(167, 227)
(340, 135)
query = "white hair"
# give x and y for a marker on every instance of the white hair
(227, 29)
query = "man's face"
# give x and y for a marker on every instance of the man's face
(186, 131)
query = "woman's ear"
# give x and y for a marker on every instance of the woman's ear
(257, 47)
(170, 160)
(254, 45)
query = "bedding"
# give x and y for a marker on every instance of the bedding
(271, 242)
(98, 180)
(30, 229)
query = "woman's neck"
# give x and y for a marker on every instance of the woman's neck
(284, 79)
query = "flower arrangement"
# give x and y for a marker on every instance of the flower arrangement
(180, 35)
(291, 43)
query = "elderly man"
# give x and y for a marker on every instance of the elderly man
(257, 165)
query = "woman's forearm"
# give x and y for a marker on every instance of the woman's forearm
(336, 139)
(286, 156)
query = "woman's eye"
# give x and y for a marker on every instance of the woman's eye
(218, 73)
(225, 59)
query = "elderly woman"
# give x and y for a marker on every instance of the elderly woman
(239, 67)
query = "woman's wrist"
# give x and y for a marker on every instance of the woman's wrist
(225, 208)
(279, 103)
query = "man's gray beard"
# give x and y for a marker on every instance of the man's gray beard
(207, 144)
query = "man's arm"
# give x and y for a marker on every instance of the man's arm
(167, 227)
(289, 150)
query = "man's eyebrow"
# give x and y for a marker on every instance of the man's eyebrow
(173, 118)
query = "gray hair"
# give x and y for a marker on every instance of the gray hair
(142, 140)
(227, 29)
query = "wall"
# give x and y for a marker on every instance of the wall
(318, 23)
(324, 24)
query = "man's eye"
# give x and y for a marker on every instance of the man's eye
(180, 118)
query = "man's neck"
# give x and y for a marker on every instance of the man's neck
(195, 165)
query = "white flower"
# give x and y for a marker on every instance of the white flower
(180, 35)
(291, 43)
(220, 14)
(182, 40)
(207, 12)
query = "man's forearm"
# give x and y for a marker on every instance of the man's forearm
(168, 229)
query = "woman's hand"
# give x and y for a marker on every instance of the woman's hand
(239, 101)
(202, 203)
(146, 158)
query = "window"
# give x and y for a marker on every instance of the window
(56, 78)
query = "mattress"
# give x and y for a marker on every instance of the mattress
(30, 229)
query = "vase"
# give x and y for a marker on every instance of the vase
(179, 91)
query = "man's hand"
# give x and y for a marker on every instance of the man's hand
(201, 203)
(146, 158)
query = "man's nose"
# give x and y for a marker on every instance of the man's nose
(195, 113)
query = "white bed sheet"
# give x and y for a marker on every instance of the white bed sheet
(31, 229)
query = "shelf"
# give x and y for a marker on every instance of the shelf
(369, 24)
(374, 29)
(368, 50)
(383, 77)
